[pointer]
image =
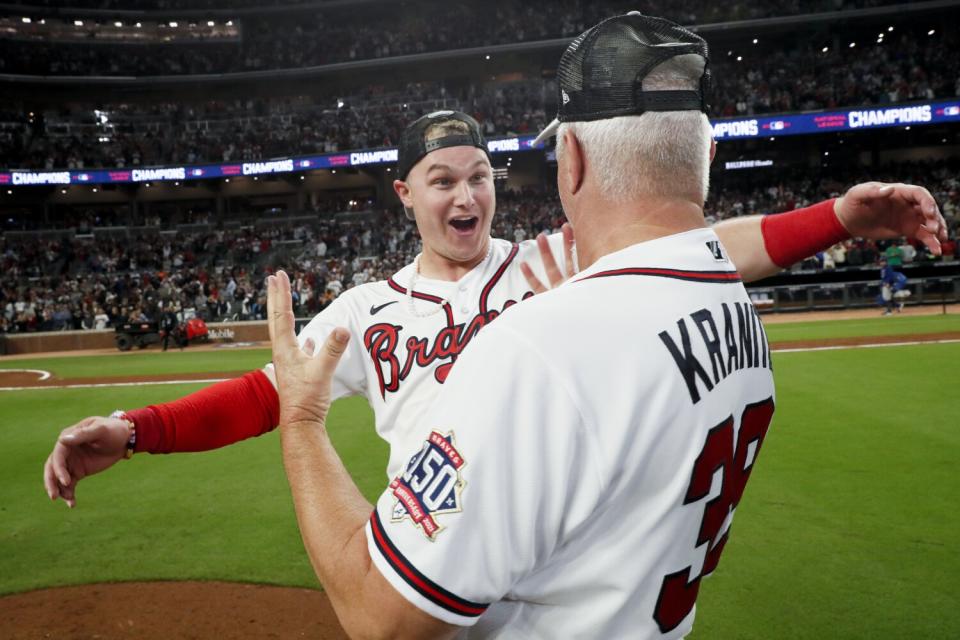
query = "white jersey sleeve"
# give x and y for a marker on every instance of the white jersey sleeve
(350, 376)
(506, 471)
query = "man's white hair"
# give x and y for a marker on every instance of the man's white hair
(656, 154)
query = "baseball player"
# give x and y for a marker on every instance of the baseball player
(593, 487)
(411, 329)
(893, 288)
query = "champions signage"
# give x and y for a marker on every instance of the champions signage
(824, 121)
(43, 177)
(723, 129)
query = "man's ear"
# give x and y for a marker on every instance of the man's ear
(574, 162)
(402, 189)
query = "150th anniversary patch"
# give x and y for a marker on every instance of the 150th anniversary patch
(430, 486)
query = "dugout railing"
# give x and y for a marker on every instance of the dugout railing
(858, 294)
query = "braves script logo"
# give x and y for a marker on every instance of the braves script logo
(430, 486)
(381, 341)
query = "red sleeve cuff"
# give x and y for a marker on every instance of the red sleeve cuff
(792, 236)
(214, 417)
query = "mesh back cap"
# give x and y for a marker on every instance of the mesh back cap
(414, 145)
(601, 72)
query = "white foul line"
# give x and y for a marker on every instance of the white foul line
(862, 346)
(102, 385)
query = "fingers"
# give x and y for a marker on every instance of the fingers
(330, 353)
(932, 223)
(309, 347)
(554, 276)
(568, 242)
(58, 464)
(49, 481)
(535, 285)
(930, 239)
(280, 313)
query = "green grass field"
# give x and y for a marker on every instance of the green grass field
(848, 528)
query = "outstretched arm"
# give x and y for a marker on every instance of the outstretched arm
(331, 511)
(213, 417)
(762, 245)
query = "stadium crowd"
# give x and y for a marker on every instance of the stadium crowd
(360, 31)
(96, 280)
(908, 66)
(691, 10)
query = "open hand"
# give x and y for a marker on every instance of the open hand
(555, 275)
(880, 211)
(303, 379)
(86, 448)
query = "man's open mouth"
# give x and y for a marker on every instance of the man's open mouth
(465, 224)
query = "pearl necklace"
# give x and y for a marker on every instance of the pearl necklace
(413, 283)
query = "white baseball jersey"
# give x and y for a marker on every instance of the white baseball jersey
(583, 462)
(399, 359)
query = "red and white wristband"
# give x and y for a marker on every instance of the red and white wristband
(132, 440)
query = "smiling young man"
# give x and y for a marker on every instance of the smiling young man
(409, 330)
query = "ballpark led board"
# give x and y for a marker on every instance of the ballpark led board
(723, 129)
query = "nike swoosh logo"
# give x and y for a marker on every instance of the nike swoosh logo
(374, 310)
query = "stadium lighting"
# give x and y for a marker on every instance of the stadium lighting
(825, 49)
(229, 23)
(78, 23)
(211, 23)
(729, 53)
(333, 171)
(755, 41)
(487, 56)
(739, 58)
(146, 184)
(226, 180)
(889, 28)
(340, 103)
(94, 189)
(303, 177)
(176, 184)
(118, 24)
(138, 25)
(26, 20)
(43, 21)
(907, 128)
(772, 139)
(174, 24)
(931, 32)
(826, 153)
(256, 177)
(853, 44)
(389, 169)
(63, 190)
(9, 192)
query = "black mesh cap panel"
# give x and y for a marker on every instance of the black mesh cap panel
(601, 72)
(414, 146)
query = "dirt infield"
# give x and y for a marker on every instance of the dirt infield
(165, 610)
(161, 610)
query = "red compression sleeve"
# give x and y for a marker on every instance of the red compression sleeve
(792, 236)
(214, 417)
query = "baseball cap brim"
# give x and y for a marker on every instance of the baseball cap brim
(547, 133)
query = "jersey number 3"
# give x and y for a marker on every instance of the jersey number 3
(679, 592)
